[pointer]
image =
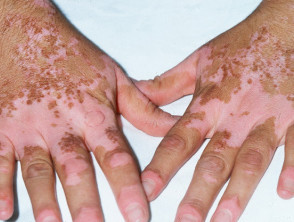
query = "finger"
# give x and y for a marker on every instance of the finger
(286, 181)
(251, 163)
(142, 113)
(211, 173)
(118, 164)
(7, 165)
(73, 164)
(181, 142)
(173, 84)
(39, 178)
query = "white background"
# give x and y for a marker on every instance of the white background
(147, 37)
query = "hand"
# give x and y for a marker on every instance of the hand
(60, 98)
(243, 101)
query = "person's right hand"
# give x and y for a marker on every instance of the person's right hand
(60, 97)
(243, 101)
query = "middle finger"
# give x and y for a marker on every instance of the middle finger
(212, 171)
(74, 167)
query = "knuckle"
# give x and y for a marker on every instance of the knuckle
(211, 164)
(252, 160)
(39, 169)
(194, 203)
(174, 142)
(157, 82)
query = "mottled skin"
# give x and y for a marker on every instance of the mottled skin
(243, 85)
(60, 97)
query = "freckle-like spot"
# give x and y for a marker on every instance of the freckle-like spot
(53, 124)
(120, 159)
(70, 105)
(56, 113)
(246, 113)
(29, 102)
(52, 105)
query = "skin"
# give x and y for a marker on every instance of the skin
(243, 90)
(60, 99)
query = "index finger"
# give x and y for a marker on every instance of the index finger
(181, 142)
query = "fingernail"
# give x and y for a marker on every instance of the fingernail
(135, 213)
(149, 186)
(4, 211)
(50, 219)
(3, 205)
(189, 218)
(223, 215)
(289, 184)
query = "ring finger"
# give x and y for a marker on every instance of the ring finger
(252, 161)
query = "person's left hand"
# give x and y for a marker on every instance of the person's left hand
(243, 83)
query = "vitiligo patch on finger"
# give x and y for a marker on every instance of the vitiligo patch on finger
(120, 159)
(73, 168)
(47, 215)
(94, 118)
(88, 214)
(229, 209)
(209, 178)
(286, 183)
(131, 202)
(188, 212)
(153, 183)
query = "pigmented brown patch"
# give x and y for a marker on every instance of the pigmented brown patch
(70, 143)
(113, 134)
(267, 131)
(220, 141)
(229, 58)
(188, 118)
(33, 150)
(53, 124)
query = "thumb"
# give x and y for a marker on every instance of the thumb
(173, 84)
(139, 110)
